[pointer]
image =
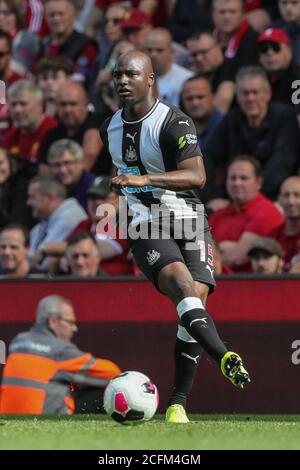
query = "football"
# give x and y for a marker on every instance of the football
(131, 396)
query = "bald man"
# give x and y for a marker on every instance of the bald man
(159, 165)
(170, 76)
(288, 234)
(76, 123)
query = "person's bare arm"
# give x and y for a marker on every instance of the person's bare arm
(190, 174)
(235, 253)
(92, 146)
(224, 96)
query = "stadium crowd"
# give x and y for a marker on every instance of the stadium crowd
(233, 66)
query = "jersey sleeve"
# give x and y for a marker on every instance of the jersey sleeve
(179, 138)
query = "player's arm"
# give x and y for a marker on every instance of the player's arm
(190, 174)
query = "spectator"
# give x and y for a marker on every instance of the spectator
(207, 58)
(76, 122)
(35, 20)
(268, 131)
(58, 216)
(113, 249)
(288, 234)
(43, 364)
(276, 57)
(169, 76)
(234, 33)
(66, 160)
(189, 16)
(248, 216)
(13, 190)
(25, 43)
(51, 74)
(63, 40)
(198, 102)
(290, 22)
(7, 73)
(266, 256)
(135, 26)
(29, 123)
(14, 247)
(83, 255)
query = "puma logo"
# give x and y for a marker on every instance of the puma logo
(195, 359)
(210, 270)
(199, 319)
(184, 122)
(132, 137)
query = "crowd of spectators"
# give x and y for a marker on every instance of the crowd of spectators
(231, 65)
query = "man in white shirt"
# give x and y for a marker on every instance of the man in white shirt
(58, 216)
(169, 76)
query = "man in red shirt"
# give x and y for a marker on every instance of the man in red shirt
(288, 234)
(65, 41)
(29, 123)
(250, 214)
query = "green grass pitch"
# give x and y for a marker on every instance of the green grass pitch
(100, 433)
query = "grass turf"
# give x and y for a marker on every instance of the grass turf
(100, 433)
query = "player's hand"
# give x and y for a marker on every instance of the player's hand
(131, 181)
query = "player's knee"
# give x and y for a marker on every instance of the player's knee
(177, 285)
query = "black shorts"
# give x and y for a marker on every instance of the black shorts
(151, 255)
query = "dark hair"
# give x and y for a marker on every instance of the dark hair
(55, 64)
(198, 34)
(247, 158)
(8, 39)
(198, 76)
(21, 228)
(80, 236)
(15, 7)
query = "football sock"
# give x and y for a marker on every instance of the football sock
(187, 356)
(201, 327)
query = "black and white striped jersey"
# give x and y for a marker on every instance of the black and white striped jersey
(155, 143)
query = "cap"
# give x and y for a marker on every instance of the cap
(135, 19)
(100, 187)
(277, 35)
(269, 245)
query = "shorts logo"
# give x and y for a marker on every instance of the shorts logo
(210, 270)
(152, 257)
(181, 142)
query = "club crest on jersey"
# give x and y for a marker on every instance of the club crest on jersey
(131, 155)
(152, 257)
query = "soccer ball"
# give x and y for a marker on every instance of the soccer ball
(131, 396)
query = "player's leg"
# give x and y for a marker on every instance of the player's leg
(176, 282)
(187, 355)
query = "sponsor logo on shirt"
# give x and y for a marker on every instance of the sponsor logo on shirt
(181, 142)
(186, 139)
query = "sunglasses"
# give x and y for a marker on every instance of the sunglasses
(274, 46)
(115, 21)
